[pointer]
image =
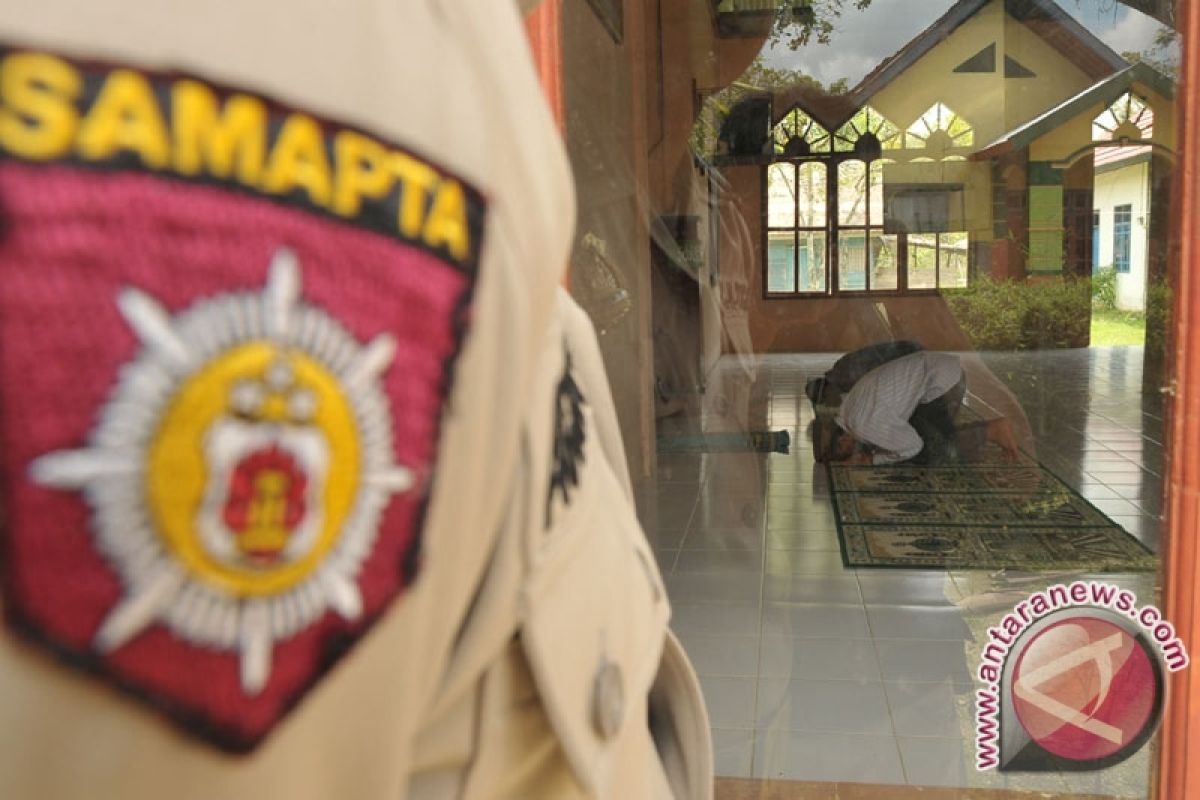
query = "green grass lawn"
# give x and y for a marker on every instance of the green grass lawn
(1116, 328)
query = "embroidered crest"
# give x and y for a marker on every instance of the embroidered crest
(229, 332)
(231, 488)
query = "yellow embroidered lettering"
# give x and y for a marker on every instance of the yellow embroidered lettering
(361, 171)
(230, 142)
(417, 179)
(298, 160)
(125, 117)
(446, 226)
(38, 119)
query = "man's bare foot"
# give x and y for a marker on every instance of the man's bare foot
(1000, 431)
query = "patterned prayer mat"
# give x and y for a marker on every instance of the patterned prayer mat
(985, 516)
(752, 441)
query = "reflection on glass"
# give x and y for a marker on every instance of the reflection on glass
(798, 134)
(781, 195)
(922, 260)
(811, 202)
(867, 120)
(952, 260)
(939, 129)
(852, 193)
(938, 260)
(875, 196)
(852, 272)
(979, 149)
(1128, 116)
(811, 264)
(796, 217)
(781, 262)
(884, 273)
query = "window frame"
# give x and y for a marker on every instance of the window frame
(1122, 237)
(840, 150)
(832, 230)
(795, 229)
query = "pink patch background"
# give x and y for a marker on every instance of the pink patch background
(71, 238)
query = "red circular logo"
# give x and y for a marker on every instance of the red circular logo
(1084, 688)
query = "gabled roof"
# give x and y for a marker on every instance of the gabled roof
(1044, 17)
(831, 110)
(1104, 93)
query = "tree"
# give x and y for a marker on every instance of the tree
(772, 79)
(1162, 54)
(802, 21)
(758, 79)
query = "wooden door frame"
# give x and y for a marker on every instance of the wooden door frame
(1179, 750)
(543, 25)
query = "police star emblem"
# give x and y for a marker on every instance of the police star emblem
(238, 474)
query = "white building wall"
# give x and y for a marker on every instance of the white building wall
(1125, 186)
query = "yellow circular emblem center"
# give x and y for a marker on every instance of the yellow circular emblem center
(253, 469)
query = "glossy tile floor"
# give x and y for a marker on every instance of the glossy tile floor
(816, 672)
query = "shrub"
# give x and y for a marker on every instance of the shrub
(1158, 317)
(1104, 289)
(1019, 315)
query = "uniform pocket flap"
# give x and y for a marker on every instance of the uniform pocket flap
(594, 623)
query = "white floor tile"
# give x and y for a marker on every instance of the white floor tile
(793, 755)
(730, 701)
(733, 752)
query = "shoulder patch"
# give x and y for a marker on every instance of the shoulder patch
(229, 330)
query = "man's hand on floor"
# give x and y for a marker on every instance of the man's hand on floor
(1000, 431)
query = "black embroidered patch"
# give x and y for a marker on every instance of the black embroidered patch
(569, 435)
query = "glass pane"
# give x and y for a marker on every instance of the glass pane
(984, 169)
(852, 272)
(883, 262)
(952, 264)
(875, 193)
(781, 261)
(922, 261)
(797, 124)
(812, 189)
(1122, 215)
(852, 193)
(812, 261)
(781, 195)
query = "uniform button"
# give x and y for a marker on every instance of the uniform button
(608, 700)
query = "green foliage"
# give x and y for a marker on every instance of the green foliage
(1118, 328)
(1012, 315)
(757, 81)
(1104, 289)
(801, 22)
(1158, 318)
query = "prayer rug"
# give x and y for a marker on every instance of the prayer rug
(978, 516)
(753, 441)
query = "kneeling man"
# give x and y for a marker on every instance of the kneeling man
(905, 411)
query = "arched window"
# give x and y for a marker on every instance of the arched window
(798, 135)
(866, 134)
(938, 131)
(824, 212)
(866, 256)
(796, 227)
(1129, 117)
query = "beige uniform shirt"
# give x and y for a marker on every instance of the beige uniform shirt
(530, 658)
